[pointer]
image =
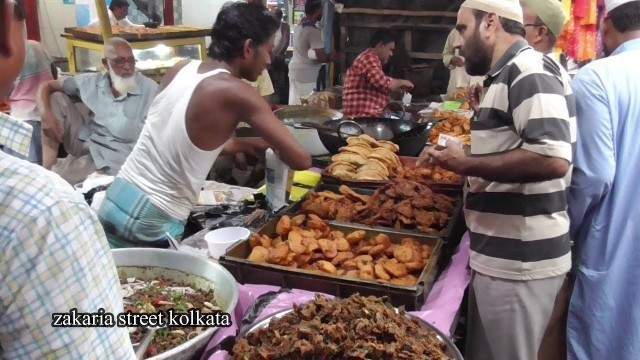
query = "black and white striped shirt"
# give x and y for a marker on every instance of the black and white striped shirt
(521, 231)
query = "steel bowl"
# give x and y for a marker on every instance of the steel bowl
(293, 116)
(451, 350)
(150, 264)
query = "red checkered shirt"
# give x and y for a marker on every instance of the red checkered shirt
(366, 90)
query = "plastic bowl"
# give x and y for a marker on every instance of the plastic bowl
(220, 240)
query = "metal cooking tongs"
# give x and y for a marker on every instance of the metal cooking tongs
(346, 128)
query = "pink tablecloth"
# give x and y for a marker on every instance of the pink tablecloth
(440, 309)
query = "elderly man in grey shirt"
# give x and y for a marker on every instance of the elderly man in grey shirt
(100, 132)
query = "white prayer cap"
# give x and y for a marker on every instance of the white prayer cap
(612, 4)
(508, 9)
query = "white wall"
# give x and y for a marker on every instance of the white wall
(201, 12)
(54, 16)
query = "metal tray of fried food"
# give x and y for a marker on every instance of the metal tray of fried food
(451, 234)
(245, 271)
(451, 349)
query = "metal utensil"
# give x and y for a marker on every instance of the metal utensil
(146, 340)
(173, 242)
(321, 128)
(451, 350)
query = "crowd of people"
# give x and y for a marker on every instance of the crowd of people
(552, 162)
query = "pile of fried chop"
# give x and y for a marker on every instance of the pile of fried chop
(401, 204)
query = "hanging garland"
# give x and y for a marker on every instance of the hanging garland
(579, 40)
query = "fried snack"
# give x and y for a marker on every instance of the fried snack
(454, 124)
(342, 165)
(368, 175)
(284, 226)
(356, 236)
(344, 174)
(278, 255)
(381, 273)
(254, 240)
(369, 140)
(326, 267)
(259, 254)
(402, 204)
(314, 246)
(357, 140)
(365, 159)
(341, 257)
(389, 145)
(375, 166)
(356, 149)
(351, 158)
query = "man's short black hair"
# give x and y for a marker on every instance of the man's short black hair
(384, 36)
(18, 10)
(510, 26)
(311, 6)
(236, 23)
(278, 13)
(626, 17)
(116, 4)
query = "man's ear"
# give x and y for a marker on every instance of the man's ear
(248, 49)
(543, 31)
(105, 63)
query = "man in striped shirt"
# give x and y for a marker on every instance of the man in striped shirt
(518, 169)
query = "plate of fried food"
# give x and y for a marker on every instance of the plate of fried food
(452, 123)
(308, 243)
(364, 159)
(433, 176)
(401, 204)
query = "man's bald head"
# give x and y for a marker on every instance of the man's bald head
(118, 57)
(116, 46)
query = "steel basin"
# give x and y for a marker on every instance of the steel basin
(149, 264)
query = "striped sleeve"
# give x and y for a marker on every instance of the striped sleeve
(540, 114)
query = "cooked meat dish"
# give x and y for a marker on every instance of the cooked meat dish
(354, 328)
(161, 295)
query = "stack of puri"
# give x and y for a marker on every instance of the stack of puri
(365, 159)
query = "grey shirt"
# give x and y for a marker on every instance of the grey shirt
(302, 68)
(116, 123)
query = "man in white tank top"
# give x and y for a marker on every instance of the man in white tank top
(190, 123)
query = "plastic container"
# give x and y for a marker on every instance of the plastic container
(279, 179)
(220, 240)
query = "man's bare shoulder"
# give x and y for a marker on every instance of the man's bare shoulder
(228, 88)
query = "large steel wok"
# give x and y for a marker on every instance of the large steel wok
(151, 264)
(409, 135)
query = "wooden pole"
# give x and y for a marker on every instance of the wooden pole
(169, 17)
(33, 23)
(105, 23)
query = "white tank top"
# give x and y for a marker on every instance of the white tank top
(164, 163)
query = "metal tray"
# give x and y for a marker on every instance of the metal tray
(452, 189)
(245, 271)
(451, 350)
(450, 233)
